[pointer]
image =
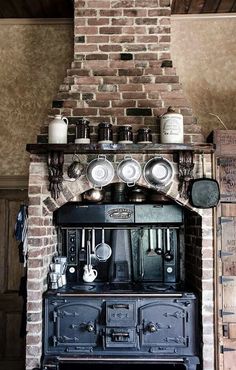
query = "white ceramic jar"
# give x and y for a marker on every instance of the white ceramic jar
(172, 127)
(57, 130)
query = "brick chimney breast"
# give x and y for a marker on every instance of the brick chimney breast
(122, 71)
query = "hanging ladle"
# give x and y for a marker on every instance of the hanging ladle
(168, 256)
(151, 250)
(159, 249)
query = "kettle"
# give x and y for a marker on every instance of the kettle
(57, 130)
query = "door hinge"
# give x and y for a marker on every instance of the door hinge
(223, 279)
(226, 349)
(224, 254)
(225, 220)
(225, 313)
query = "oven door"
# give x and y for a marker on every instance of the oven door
(165, 326)
(72, 325)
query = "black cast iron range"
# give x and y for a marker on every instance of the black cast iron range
(137, 310)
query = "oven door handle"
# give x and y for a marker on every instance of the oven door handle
(119, 335)
(120, 305)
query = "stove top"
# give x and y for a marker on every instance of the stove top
(122, 288)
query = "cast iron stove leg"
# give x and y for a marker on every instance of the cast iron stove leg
(191, 363)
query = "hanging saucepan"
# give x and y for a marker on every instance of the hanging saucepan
(203, 192)
(100, 172)
(158, 172)
(76, 168)
(129, 170)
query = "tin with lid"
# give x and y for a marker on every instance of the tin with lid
(172, 128)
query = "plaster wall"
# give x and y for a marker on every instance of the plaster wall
(33, 64)
(34, 59)
(204, 53)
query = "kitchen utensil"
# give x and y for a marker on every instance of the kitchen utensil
(129, 170)
(156, 196)
(203, 192)
(57, 130)
(103, 250)
(137, 195)
(168, 256)
(119, 192)
(93, 195)
(140, 254)
(159, 249)
(88, 249)
(90, 273)
(76, 168)
(100, 172)
(82, 248)
(151, 251)
(93, 257)
(158, 172)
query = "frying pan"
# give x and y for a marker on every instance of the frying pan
(203, 192)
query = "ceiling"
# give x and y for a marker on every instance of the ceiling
(64, 8)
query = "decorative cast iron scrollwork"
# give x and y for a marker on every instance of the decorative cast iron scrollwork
(186, 166)
(55, 173)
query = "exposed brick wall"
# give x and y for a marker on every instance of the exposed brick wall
(42, 246)
(42, 243)
(122, 70)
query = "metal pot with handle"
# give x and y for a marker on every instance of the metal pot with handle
(76, 168)
(100, 172)
(129, 170)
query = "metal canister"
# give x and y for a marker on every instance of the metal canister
(172, 131)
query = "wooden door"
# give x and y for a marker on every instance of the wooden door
(11, 271)
(228, 280)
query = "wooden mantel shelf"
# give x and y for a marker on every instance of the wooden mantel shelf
(118, 148)
(56, 152)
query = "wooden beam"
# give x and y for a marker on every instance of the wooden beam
(211, 6)
(196, 6)
(225, 6)
(233, 9)
(8, 10)
(179, 7)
